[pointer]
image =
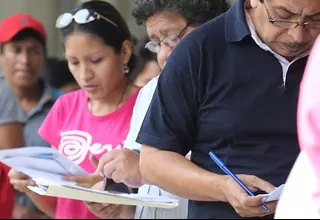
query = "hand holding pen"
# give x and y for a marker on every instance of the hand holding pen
(239, 192)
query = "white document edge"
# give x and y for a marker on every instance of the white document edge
(77, 194)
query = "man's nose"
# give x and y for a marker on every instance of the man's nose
(23, 57)
(298, 34)
(164, 53)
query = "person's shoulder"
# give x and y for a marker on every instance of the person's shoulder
(7, 95)
(147, 91)
(201, 42)
(150, 86)
(210, 31)
(5, 89)
(73, 98)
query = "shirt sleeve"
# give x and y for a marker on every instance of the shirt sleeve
(11, 110)
(170, 123)
(309, 109)
(139, 112)
(50, 127)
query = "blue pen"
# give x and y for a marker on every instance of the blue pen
(225, 169)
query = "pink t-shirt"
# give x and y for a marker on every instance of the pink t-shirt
(76, 133)
(309, 108)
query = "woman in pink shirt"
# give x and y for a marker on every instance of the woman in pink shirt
(309, 118)
(96, 118)
(301, 197)
(309, 109)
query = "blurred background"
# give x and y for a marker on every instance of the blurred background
(47, 11)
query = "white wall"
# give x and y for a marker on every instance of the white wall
(47, 11)
(125, 7)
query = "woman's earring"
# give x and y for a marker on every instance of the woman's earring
(125, 69)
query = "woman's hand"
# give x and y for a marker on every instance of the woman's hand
(20, 181)
(110, 211)
(85, 181)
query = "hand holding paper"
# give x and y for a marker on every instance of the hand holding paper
(238, 193)
(245, 204)
(47, 173)
(20, 181)
(274, 195)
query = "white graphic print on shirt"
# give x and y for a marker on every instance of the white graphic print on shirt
(76, 144)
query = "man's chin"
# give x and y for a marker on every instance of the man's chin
(293, 53)
(25, 83)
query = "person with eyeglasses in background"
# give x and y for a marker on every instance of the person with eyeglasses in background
(231, 87)
(85, 124)
(167, 23)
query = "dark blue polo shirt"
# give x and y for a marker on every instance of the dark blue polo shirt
(220, 91)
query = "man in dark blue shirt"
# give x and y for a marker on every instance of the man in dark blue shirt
(230, 87)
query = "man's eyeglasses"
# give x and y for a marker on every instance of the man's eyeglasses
(83, 16)
(170, 41)
(290, 24)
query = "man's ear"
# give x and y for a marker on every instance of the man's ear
(126, 51)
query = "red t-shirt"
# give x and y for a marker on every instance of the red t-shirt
(6, 194)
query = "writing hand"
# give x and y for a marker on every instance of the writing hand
(122, 166)
(244, 204)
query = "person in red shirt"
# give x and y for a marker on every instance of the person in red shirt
(6, 194)
(11, 135)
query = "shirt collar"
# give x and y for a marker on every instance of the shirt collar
(236, 25)
(254, 34)
(265, 47)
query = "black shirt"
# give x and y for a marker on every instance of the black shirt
(220, 91)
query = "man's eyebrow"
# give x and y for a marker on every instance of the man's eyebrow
(314, 15)
(290, 12)
(154, 37)
(284, 9)
(164, 31)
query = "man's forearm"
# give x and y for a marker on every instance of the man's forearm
(176, 174)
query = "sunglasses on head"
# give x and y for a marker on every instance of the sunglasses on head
(83, 16)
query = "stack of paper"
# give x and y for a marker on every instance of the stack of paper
(47, 166)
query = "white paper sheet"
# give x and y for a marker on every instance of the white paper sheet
(41, 159)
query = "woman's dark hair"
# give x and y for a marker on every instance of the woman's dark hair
(107, 32)
(196, 12)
